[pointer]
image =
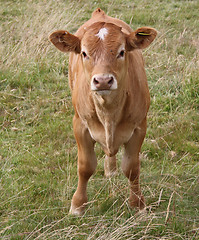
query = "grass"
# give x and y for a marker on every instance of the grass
(38, 152)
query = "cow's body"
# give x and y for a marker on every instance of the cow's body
(110, 96)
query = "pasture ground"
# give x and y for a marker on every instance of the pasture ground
(38, 153)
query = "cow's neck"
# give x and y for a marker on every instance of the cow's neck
(108, 102)
(109, 111)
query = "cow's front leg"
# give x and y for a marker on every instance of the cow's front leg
(131, 165)
(87, 163)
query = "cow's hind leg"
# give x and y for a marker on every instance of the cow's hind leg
(86, 166)
(131, 165)
(110, 166)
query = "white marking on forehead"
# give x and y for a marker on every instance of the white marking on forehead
(102, 33)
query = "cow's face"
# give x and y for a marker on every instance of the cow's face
(104, 49)
(103, 53)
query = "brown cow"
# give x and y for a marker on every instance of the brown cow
(110, 96)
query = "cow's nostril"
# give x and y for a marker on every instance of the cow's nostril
(110, 82)
(95, 81)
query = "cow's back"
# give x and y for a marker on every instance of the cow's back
(100, 16)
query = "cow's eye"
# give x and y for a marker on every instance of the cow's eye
(121, 54)
(84, 55)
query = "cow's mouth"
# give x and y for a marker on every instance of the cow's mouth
(103, 92)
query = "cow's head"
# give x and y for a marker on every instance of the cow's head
(104, 48)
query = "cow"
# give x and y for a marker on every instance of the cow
(110, 97)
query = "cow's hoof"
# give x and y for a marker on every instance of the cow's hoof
(137, 202)
(78, 211)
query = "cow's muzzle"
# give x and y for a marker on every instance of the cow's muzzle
(103, 82)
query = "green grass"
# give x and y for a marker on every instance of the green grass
(38, 153)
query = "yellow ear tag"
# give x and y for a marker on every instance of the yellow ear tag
(143, 34)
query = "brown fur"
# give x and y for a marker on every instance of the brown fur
(113, 119)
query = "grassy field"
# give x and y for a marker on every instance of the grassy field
(38, 153)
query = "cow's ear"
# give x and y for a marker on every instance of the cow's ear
(141, 38)
(65, 41)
